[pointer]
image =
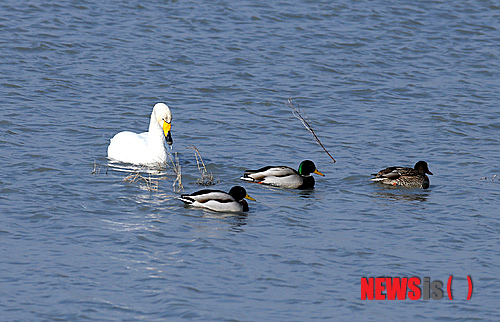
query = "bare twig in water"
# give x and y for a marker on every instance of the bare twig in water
(150, 183)
(175, 165)
(96, 169)
(207, 179)
(492, 179)
(297, 113)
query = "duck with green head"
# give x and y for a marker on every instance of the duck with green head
(284, 177)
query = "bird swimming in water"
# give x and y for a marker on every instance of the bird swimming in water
(145, 148)
(283, 176)
(415, 177)
(218, 200)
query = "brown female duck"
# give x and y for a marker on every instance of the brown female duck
(406, 177)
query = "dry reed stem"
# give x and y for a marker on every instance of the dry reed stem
(151, 184)
(175, 165)
(96, 169)
(298, 114)
(207, 179)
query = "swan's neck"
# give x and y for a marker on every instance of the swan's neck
(156, 138)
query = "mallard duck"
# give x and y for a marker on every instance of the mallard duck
(406, 177)
(285, 177)
(148, 147)
(218, 200)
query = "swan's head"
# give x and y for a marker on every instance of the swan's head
(164, 118)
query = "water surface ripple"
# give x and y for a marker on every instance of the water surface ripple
(383, 83)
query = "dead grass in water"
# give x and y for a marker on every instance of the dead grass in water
(207, 178)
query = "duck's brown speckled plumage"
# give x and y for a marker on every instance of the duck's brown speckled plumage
(406, 177)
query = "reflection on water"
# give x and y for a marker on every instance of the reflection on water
(148, 177)
(308, 193)
(400, 193)
(235, 221)
(147, 255)
(157, 169)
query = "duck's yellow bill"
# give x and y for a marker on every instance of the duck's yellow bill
(166, 128)
(249, 198)
(317, 172)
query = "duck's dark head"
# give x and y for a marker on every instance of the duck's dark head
(239, 193)
(307, 167)
(422, 167)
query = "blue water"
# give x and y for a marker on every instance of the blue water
(383, 83)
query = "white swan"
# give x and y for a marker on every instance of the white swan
(148, 147)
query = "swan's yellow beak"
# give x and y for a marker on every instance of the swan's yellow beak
(166, 131)
(317, 172)
(166, 127)
(249, 198)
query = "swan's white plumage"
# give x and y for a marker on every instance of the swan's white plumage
(143, 148)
